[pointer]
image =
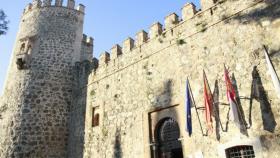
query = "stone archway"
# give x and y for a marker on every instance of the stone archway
(167, 134)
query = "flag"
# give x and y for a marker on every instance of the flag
(231, 96)
(188, 110)
(273, 73)
(208, 102)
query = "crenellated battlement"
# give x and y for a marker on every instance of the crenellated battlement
(104, 58)
(86, 48)
(171, 20)
(188, 11)
(87, 40)
(156, 30)
(58, 3)
(116, 51)
(191, 22)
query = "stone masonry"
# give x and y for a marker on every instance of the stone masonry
(36, 105)
(60, 102)
(139, 85)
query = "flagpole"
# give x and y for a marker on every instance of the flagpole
(273, 74)
(195, 108)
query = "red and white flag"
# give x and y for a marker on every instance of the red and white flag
(231, 96)
(208, 102)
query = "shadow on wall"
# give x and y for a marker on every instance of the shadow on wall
(117, 144)
(164, 129)
(76, 140)
(269, 12)
(217, 110)
(274, 53)
(258, 93)
(164, 98)
(243, 123)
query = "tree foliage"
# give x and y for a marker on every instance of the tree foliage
(3, 23)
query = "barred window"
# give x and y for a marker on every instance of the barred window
(242, 151)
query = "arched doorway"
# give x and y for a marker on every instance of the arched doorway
(167, 134)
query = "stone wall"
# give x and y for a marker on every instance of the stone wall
(78, 108)
(39, 86)
(133, 89)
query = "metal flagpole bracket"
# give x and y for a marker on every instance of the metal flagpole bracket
(181, 139)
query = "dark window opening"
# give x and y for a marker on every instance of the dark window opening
(95, 118)
(22, 47)
(20, 63)
(242, 151)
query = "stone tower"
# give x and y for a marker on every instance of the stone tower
(37, 99)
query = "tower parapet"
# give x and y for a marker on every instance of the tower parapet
(58, 3)
(86, 48)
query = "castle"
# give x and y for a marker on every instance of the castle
(60, 102)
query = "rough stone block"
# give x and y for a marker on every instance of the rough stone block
(188, 11)
(104, 58)
(155, 30)
(141, 37)
(171, 20)
(116, 51)
(128, 44)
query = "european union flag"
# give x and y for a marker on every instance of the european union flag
(188, 110)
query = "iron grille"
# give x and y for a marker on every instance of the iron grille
(244, 151)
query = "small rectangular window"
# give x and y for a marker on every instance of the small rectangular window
(95, 117)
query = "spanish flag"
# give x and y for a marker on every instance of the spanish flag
(208, 102)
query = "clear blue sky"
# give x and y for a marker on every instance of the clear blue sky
(109, 22)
